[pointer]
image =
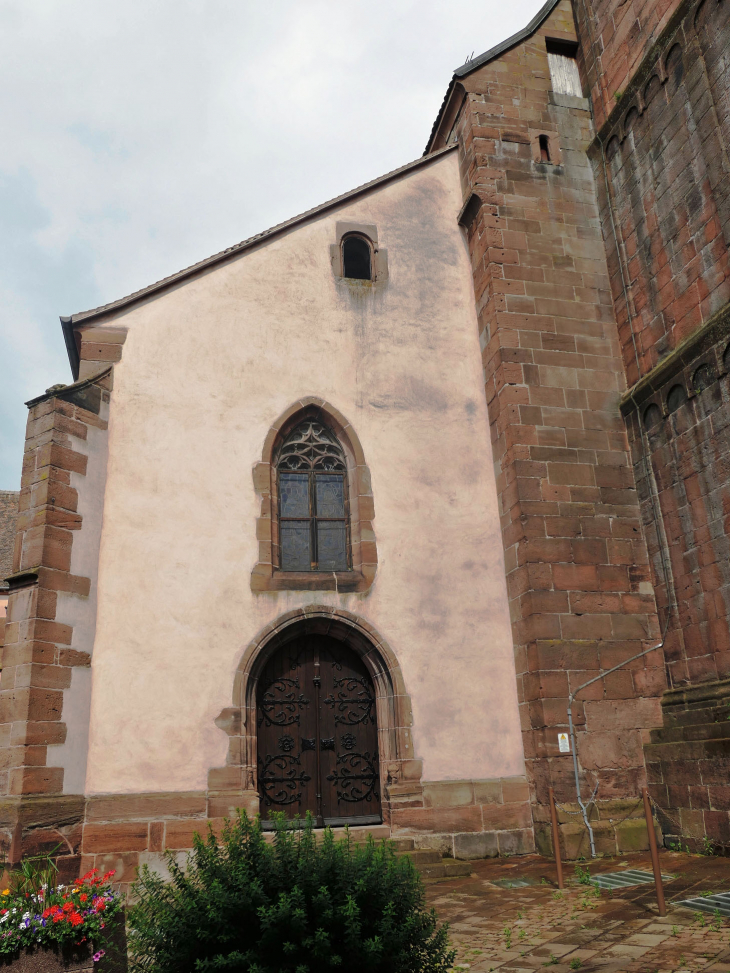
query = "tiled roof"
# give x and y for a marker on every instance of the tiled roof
(8, 519)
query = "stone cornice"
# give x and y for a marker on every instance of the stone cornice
(712, 331)
(632, 94)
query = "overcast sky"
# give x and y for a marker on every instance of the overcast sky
(139, 136)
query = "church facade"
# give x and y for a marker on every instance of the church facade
(349, 518)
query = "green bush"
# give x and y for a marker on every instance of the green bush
(296, 905)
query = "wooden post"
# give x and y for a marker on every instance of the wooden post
(556, 837)
(654, 853)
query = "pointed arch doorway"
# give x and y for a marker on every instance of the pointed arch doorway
(317, 734)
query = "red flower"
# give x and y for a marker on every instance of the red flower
(76, 919)
(83, 896)
(68, 906)
(99, 905)
(109, 874)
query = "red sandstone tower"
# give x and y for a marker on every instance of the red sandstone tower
(599, 229)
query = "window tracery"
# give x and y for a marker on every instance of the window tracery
(313, 507)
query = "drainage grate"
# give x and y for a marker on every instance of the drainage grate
(621, 880)
(719, 902)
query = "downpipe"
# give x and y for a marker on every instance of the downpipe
(571, 729)
(661, 538)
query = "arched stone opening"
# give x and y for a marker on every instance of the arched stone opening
(400, 771)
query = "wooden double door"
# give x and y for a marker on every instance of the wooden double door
(317, 734)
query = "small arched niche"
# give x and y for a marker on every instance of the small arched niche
(357, 257)
(676, 398)
(703, 378)
(652, 416)
(312, 426)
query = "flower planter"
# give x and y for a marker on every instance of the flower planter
(78, 960)
(49, 961)
(50, 928)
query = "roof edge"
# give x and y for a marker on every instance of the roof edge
(61, 390)
(83, 317)
(464, 69)
(71, 350)
(505, 45)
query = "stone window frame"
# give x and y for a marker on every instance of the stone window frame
(266, 574)
(235, 785)
(378, 256)
(556, 156)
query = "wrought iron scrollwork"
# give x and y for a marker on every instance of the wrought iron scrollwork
(311, 446)
(279, 778)
(348, 741)
(280, 703)
(355, 777)
(351, 701)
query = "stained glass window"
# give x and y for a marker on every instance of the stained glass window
(313, 520)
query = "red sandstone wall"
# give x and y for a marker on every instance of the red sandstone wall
(37, 656)
(615, 35)
(662, 177)
(682, 459)
(662, 172)
(577, 568)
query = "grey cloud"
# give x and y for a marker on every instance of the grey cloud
(140, 137)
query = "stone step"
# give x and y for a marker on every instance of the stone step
(446, 868)
(695, 715)
(674, 750)
(403, 844)
(358, 835)
(422, 857)
(431, 866)
(691, 732)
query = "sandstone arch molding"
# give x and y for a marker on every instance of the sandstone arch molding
(266, 575)
(235, 785)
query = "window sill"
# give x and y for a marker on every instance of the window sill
(341, 581)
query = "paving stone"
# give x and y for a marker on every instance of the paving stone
(609, 933)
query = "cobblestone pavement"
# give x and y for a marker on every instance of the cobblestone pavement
(528, 928)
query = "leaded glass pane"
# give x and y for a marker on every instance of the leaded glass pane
(330, 492)
(296, 549)
(294, 490)
(331, 546)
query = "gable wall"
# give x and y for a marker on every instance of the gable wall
(205, 371)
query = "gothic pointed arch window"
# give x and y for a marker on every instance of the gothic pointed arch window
(314, 528)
